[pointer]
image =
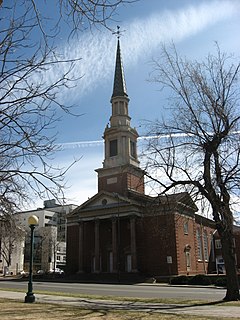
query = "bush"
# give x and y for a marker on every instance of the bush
(179, 280)
(220, 282)
(200, 279)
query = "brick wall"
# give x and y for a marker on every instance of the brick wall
(185, 242)
(124, 182)
(156, 242)
(161, 238)
(72, 249)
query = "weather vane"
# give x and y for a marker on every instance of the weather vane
(118, 33)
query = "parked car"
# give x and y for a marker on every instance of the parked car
(40, 272)
(57, 271)
(23, 273)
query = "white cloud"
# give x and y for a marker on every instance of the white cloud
(141, 39)
(145, 35)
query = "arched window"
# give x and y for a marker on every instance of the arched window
(199, 245)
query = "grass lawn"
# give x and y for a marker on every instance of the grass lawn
(11, 310)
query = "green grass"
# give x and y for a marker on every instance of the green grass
(113, 298)
(127, 299)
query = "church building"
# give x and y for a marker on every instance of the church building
(123, 231)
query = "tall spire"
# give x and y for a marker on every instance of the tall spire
(120, 171)
(119, 85)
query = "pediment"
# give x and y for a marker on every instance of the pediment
(100, 203)
(107, 204)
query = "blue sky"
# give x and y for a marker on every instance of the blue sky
(192, 25)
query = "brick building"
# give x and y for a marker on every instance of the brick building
(122, 230)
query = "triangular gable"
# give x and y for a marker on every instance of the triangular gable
(184, 199)
(100, 200)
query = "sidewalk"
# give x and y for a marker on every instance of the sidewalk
(93, 304)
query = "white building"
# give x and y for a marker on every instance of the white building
(49, 239)
(12, 246)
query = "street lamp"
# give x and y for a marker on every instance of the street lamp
(33, 222)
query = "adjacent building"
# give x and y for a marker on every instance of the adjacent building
(12, 244)
(49, 240)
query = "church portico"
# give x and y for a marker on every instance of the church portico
(112, 244)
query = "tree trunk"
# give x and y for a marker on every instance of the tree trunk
(228, 252)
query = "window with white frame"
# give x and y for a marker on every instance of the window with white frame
(113, 148)
(188, 259)
(199, 245)
(185, 227)
(205, 245)
(218, 244)
(133, 149)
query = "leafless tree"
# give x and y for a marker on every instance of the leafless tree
(84, 13)
(10, 236)
(196, 146)
(27, 111)
(29, 99)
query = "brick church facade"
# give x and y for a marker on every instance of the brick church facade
(121, 230)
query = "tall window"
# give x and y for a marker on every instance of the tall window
(185, 227)
(113, 148)
(110, 261)
(188, 260)
(133, 148)
(199, 245)
(128, 263)
(218, 244)
(212, 249)
(115, 108)
(205, 244)
(121, 107)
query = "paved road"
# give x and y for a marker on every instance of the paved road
(139, 290)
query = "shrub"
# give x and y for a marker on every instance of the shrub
(220, 282)
(200, 279)
(179, 280)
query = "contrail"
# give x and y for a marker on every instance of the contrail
(80, 144)
(97, 143)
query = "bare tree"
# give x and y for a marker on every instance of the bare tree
(10, 236)
(29, 98)
(27, 110)
(197, 145)
(84, 13)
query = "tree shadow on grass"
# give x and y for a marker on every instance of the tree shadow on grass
(139, 306)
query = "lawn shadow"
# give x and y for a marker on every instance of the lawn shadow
(138, 306)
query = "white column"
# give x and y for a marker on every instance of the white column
(133, 243)
(114, 243)
(97, 246)
(80, 250)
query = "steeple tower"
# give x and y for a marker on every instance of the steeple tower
(120, 171)
(119, 85)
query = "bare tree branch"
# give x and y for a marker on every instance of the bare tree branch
(201, 144)
(29, 97)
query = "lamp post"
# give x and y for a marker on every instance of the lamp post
(33, 222)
